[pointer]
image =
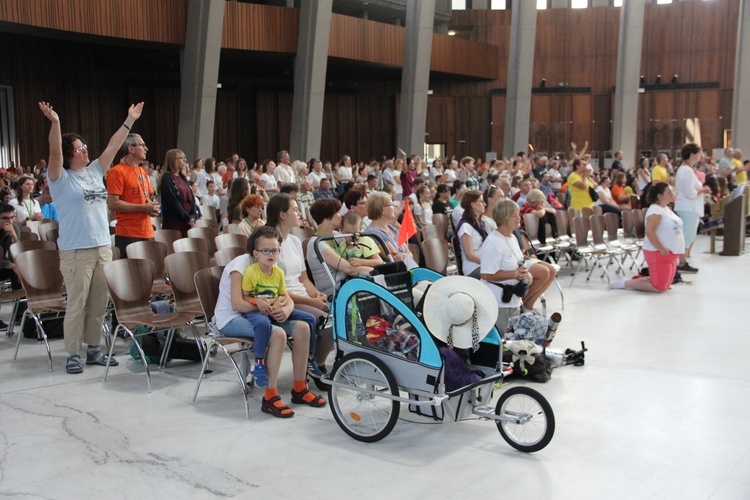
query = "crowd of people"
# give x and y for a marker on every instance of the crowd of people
(267, 293)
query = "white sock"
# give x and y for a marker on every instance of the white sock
(618, 283)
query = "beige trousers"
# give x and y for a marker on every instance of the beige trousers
(83, 272)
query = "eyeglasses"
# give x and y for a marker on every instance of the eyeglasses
(268, 251)
(81, 148)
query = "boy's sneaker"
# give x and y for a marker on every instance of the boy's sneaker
(313, 370)
(687, 268)
(259, 374)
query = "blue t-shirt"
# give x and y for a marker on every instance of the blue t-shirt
(49, 211)
(81, 200)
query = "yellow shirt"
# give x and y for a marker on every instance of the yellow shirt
(256, 283)
(740, 174)
(579, 198)
(659, 174)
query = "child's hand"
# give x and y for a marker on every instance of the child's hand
(263, 305)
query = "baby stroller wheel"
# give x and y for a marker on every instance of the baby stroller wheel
(365, 417)
(534, 422)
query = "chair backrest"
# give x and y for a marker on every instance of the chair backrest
(440, 221)
(199, 245)
(168, 237)
(233, 228)
(152, 250)
(435, 251)
(598, 210)
(612, 222)
(181, 268)
(228, 240)
(597, 229)
(586, 212)
(416, 253)
(573, 213)
(26, 245)
(639, 223)
(206, 222)
(115, 252)
(40, 275)
(206, 233)
(301, 232)
(207, 286)
(531, 225)
(156, 223)
(628, 223)
(27, 236)
(225, 256)
(457, 252)
(129, 282)
(563, 223)
(581, 231)
(431, 231)
(208, 212)
(635, 201)
(43, 228)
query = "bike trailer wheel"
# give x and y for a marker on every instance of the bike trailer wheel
(365, 416)
(533, 423)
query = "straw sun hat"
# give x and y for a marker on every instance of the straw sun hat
(460, 311)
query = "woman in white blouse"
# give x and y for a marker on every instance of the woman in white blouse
(27, 208)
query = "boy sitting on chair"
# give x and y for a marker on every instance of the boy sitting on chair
(272, 313)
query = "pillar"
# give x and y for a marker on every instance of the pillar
(520, 70)
(415, 76)
(629, 43)
(200, 76)
(310, 79)
(741, 97)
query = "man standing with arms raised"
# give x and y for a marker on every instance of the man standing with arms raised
(130, 195)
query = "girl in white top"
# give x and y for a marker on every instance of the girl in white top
(663, 244)
(267, 180)
(27, 208)
(471, 232)
(689, 201)
(644, 176)
(282, 212)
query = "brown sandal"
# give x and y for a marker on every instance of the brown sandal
(269, 407)
(298, 398)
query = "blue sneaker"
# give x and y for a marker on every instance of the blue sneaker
(259, 374)
(313, 370)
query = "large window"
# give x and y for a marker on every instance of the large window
(579, 4)
(498, 4)
(458, 4)
(542, 4)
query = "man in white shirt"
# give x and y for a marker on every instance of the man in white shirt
(284, 173)
(316, 175)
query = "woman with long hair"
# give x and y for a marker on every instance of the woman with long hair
(179, 209)
(267, 180)
(27, 208)
(471, 232)
(237, 192)
(283, 214)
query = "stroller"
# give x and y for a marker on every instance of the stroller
(386, 356)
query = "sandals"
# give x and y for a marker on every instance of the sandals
(269, 407)
(298, 398)
(101, 359)
(74, 364)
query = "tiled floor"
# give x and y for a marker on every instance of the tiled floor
(660, 410)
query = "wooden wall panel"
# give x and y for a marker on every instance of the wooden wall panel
(262, 28)
(375, 130)
(441, 112)
(134, 19)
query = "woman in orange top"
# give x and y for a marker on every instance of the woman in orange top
(618, 191)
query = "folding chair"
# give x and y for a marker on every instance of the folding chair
(129, 282)
(207, 286)
(42, 281)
